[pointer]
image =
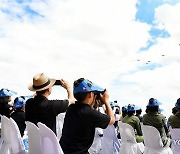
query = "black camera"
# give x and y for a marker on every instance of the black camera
(97, 93)
(58, 83)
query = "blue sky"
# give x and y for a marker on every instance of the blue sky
(72, 39)
(145, 13)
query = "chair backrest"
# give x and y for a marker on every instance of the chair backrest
(5, 129)
(110, 142)
(126, 132)
(96, 146)
(33, 138)
(59, 124)
(175, 138)
(6, 141)
(49, 141)
(152, 137)
(15, 138)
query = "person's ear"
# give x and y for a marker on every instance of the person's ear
(90, 94)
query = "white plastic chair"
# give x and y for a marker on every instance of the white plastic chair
(5, 135)
(1, 139)
(175, 138)
(110, 142)
(33, 138)
(16, 141)
(59, 124)
(49, 141)
(153, 142)
(96, 146)
(128, 140)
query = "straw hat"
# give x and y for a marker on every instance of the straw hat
(41, 82)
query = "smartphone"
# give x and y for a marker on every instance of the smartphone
(58, 83)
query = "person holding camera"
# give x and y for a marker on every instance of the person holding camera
(39, 108)
(81, 118)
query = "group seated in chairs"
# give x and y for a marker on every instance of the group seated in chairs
(135, 138)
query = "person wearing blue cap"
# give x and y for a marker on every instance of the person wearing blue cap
(40, 108)
(124, 112)
(19, 114)
(174, 120)
(5, 97)
(157, 120)
(134, 121)
(138, 114)
(81, 118)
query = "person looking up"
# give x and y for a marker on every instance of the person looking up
(81, 118)
(40, 108)
(134, 121)
(174, 120)
(157, 120)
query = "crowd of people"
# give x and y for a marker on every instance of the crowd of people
(82, 112)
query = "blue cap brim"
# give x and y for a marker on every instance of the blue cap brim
(137, 108)
(87, 86)
(6, 93)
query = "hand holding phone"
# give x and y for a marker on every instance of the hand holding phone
(58, 83)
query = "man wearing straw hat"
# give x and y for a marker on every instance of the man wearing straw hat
(39, 108)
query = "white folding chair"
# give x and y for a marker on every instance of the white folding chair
(175, 140)
(33, 138)
(96, 146)
(1, 139)
(153, 142)
(128, 140)
(49, 141)
(110, 142)
(5, 134)
(16, 141)
(59, 124)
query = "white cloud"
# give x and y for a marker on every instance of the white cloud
(98, 40)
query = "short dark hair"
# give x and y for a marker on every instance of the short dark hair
(139, 111)
(80, 96)
(130, 113)
(124, 113)
(174, 110)
(4, 99)
(41, 92)
(152, 108)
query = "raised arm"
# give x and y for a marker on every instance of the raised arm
(105, 100)
(67, 86)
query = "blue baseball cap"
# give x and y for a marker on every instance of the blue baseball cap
(6, 93)
(87, 86)
(113, 104)
(124, 108)
(153, 102)
(177, 105)
(132, 107)
(19, 102)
